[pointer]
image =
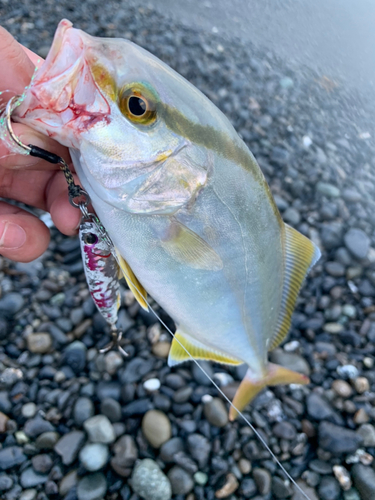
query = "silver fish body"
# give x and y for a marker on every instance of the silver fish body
(180, 195)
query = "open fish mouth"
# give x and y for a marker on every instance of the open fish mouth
(63, 92)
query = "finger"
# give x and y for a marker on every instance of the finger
(23, 237)
(19, 68)
(28, 136)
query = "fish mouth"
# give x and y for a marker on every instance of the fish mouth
(63, 96)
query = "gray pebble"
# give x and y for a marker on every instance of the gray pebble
(136, 369)
(170, 448)
(281, 488)
(29, 478)
(216, 412)
(111, 409)
(100, 429)
(328, 189)
(149, 482)
(94, 456)
(357, 242)
(199, 448)
(290, 359)
(182, 483)
(338, 440)
(292, 216)
(11, 456)
(6, 482)
(83, 410)
(125, 454)
(42, 463)
(92, 487)
(284, 430)
(11, 303)
(69, 445)
(262, 478)
(364, 480)
(329, 488)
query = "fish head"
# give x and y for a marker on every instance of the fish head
(129, 119)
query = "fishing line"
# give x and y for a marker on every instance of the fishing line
(75, 191)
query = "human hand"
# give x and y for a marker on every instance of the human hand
(23, 237)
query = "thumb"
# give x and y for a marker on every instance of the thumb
(23, 237)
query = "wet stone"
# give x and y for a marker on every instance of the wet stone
(94, 456)
(156, 428)
(69, 445)
(111, 409)
(199, 448)
(47, 440)
(262, 479)
(100, 429)
(11, 304)
(6, 482)
(216, 412)
(83, 410)
(149, 482)
(5, 404)
(288, 359)
(285, 430)
(170, 448)
(364, 480)
(39, 342)
(367, 434)
(338, 440)
(136, 369)
(75, 356)
(183, 395)
(29, 478)
(10, 457)
(320, 409)
(42, 463)
(248, 488)
(92, 487)
(281, 488)
(335, 269)
(181, 482)
(357, 242)
(125, 454)
(329, 488)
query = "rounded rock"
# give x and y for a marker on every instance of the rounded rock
(94, 456)
(39, 342)
(342, 388)
(92, 487)
(100, 429)
(156, 428)
(29, 410)
(216, 412)
(181, 482)
(357, 242)
(83, 410)
(149, 482)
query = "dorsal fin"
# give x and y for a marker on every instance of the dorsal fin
(177, 354)
(301, 254)
(138, 291)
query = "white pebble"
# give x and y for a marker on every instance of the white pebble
(94, 456)
(152, 384)
(206, 398)
(291, 346)
(306, 141)
(223, 378)
(343, 477)
(28, 410)
(347, 371)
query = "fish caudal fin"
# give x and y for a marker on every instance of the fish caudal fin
(249, 388)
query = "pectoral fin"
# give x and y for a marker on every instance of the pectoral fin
(186, 247)
(139, 292)
(249, 387)
(301, 255)
(178, 354)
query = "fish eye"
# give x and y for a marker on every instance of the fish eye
(138, 105)
(90, 238)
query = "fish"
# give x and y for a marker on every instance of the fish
(182, 198)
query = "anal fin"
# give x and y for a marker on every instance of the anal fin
(177, 353)
(138, 291)
(300, 255)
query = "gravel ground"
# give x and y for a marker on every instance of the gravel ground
(78, 424)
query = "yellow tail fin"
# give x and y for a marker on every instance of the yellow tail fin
(249, 388)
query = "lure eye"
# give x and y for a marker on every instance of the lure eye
(137, 106)
(90, 239)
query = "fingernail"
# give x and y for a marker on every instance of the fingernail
(12, 235)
